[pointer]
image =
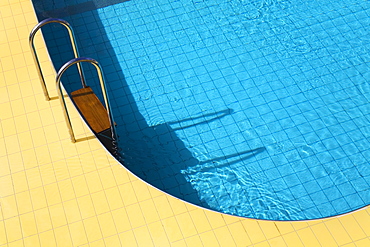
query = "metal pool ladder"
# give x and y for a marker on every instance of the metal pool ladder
(98, 118)
(36, 59)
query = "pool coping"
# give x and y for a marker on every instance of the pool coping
(83, 178)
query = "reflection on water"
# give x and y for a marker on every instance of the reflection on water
(293, 73)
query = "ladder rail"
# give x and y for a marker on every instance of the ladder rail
(36, 59)
(102, 85)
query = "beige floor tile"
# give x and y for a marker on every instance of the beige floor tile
(13, 229)
(143, 237)
(92, 229)
(200, 220)
(3, 237)
(135, 215)
(158, 234)
(209, 239)
(172, 229)
(54, 192)
(107, 226)
(63, 236)
(58, 215)
(112, 241)
(121, 220)
(323, 235)
(338, 232)
(149, 211)
(128, 239)
(194, 241)
(78, 233)
(186, 225)
(31, 241)
(254, 231)
(224, 237)
(24, 204)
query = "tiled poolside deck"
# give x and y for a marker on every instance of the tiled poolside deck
(56, 193)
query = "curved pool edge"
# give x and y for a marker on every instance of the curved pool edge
(108, 149)
(120, 162)
(181, 227)
(117, 159)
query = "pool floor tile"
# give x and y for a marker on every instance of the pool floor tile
(54, 192)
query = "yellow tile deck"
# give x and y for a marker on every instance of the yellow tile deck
(56, 193)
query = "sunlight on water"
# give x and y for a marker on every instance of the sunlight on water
(252, 108)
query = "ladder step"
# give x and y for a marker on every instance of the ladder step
(92, 109)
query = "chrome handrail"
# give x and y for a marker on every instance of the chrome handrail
(102, 85)
(35, 57)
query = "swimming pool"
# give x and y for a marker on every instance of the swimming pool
(252, 108)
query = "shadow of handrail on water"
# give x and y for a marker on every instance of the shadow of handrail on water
(158, 156)
(251, 153)
(220, 162)
(217, 115)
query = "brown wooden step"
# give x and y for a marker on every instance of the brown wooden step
(92, 109)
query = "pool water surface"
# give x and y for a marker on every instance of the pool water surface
(252, 108)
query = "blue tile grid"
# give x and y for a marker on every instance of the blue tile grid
(248, 108)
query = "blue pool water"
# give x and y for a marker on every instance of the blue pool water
(253, 108)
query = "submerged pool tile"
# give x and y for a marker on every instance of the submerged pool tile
(75, 232)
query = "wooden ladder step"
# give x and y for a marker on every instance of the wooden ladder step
(92, 109)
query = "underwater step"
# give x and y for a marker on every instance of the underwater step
(92, 109)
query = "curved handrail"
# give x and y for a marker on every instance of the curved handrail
(35, 57)
(103, 87)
